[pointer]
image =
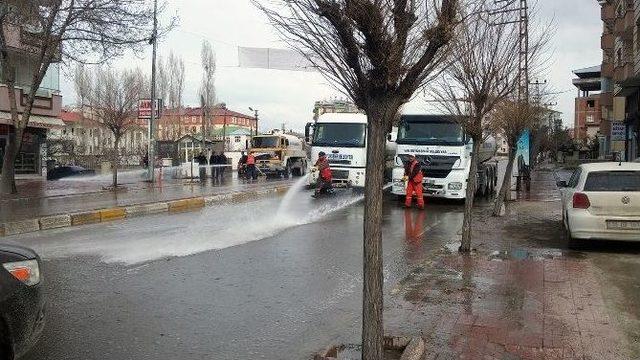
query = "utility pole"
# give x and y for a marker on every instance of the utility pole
(255, 112)
(506, 6)
(152, 120)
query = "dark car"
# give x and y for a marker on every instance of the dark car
(66, 171)
(21, 300)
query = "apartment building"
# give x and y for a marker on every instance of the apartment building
(175, 123)
(46, 108)
(589, 121)
(620, 43)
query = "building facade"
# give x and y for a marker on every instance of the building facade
(87, 142)
(45, 113)
(175, 123)
(333, 106)
(620, 45)
(590, 122)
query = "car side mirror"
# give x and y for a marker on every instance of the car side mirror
(388, 137)
(307, 132)
(561, 184)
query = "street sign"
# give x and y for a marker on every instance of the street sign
(144, 108)
(618, 131)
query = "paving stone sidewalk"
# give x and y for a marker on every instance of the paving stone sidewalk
(521, 295)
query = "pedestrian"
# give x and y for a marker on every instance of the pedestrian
(213, 160)
(222, 160)
(242, 165)
(251, 167)
(202, 165)
(323, 184)
(413, 177)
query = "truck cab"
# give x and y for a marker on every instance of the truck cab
(343, 137)
(444, 151)
(279, 154)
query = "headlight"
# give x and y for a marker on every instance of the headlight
(455, 186)
(314, 169)
(26, 271)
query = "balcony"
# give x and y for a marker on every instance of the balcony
(607, 42)
(624, 74)
(624, 25)
(42, 105)
(607, 13)
(607, 70)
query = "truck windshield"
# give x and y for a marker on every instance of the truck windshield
(430, 133)
(265, 141)
(338, 134)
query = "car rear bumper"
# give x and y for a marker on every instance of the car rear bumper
(585, 226)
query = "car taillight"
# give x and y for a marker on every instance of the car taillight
(581, 201)
(26, 271)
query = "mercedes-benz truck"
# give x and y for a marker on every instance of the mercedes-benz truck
(444, 150)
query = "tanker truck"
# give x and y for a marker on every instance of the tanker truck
(444, 150)
(279, 154)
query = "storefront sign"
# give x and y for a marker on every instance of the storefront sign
(144, 108)
(618, 131)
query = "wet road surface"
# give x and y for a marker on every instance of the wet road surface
(277, 278)
(261, 284)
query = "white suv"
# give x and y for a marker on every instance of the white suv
(602, 201)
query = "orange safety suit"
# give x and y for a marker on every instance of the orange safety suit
(413, 172)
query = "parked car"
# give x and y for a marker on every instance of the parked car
(21, 300)
(66, 171)
(601, 201)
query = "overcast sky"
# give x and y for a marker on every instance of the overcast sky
(288, 97)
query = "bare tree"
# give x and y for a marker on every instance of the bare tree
(111, 101)
(378, 53)
(207, 87)
(176, 76)
(482, 74)
(81, 30)
(511, 119)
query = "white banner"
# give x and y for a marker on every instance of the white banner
(275, 59)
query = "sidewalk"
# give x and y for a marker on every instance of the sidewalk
(521, 295)
(41, 205)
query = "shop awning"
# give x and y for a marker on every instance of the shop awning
(35, 121)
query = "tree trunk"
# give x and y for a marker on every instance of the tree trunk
(372, 327)
(114, 161)
(465, 246)
(12, 148)
(505, 189)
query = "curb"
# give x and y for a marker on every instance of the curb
(412, 348)
(118, 213)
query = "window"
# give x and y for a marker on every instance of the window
(236, 139)
(590, 119)
(573, 182)
(613, 181)
(591, 103)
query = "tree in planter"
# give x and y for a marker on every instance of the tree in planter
(111, 100)
(80, 30)
(511, 119)
(378, 53)
(482, 74)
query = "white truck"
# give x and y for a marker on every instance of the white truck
(279, 154)
(444, 150)
(343, 137)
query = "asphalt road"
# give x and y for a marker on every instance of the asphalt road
(238, 282)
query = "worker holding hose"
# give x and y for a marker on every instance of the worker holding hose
(324, 177)
(413, 178)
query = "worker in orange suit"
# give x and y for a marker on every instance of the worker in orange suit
(413, 177)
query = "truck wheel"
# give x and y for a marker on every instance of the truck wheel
(287, 170)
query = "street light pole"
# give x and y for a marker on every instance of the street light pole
(152, 119)
(255, 112)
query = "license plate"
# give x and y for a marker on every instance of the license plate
(623, 225)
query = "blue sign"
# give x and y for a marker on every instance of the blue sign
(618, 131)
(523, 151)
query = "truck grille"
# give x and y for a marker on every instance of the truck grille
(340, 174)
(436, 173)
